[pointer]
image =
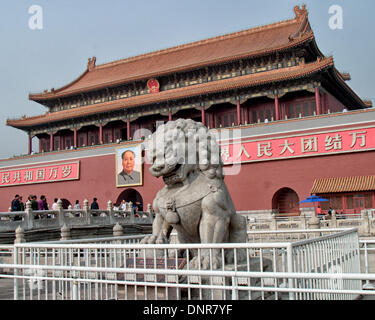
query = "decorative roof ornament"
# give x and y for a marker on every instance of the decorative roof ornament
(91, 64)
(300, 12)
(302, 18)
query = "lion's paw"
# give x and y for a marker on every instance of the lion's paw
(151, 239)
(205, 263)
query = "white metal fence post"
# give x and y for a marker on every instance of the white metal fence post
(75, 290)
(16, 272)
(290, 269)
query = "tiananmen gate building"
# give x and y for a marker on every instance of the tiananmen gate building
(302, 130)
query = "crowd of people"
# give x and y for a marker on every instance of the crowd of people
(38, 205)
(18, 205)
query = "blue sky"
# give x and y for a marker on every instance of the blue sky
(74, 30)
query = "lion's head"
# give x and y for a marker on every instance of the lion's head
(183, 147)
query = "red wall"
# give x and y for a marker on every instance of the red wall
(331, 103)
(252, 189)
(257, 183)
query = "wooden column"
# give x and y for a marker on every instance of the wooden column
(317, 101)
(51, 141)
(75, 144)
(30, 144)
(203, 112)
(239, 122)
(277, 107)
(246, 115)
(128, 128)
(170, 115)
(210, 119)
(101, 134)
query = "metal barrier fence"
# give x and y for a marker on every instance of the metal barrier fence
(309, 264)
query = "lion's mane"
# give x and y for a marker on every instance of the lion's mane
(196, 138)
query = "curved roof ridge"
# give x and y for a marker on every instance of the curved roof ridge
(53, 90)
(200, 42)
(278, 35)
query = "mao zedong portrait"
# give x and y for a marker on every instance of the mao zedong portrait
(128, 176)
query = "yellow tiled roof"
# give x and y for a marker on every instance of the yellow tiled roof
(343, 184)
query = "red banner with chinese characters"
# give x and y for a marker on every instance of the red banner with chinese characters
(333, 142)
(40, 174)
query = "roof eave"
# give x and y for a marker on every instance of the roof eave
(39, 97)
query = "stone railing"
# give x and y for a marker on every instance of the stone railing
(365, 222)
(33, 220)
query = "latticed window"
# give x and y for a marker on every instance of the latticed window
(349, 202)
(368, 201)
(325, 204)
(336, 203)
(106, 137)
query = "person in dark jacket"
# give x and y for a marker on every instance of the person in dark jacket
(94, 206)
(22, 205)
(16, 205)
(34, 203)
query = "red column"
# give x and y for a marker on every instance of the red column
(51, 141)
(203, 112)
(317, 101)
(210, 120)
(238, 113)
(75, 138)
(128, 128)
(101, 134)
(277, 107)
(246, 111)
(30, 144)
(170, 116)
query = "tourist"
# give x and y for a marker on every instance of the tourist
(94, 204)
(54, 205)
(22, 205)
(34, 203)
(319, 211)
(123, 205)
(15, 205)
(140, 206)
(77, 205)
(42, 204)
(329, 214)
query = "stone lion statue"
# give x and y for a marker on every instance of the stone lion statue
(195, 200)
